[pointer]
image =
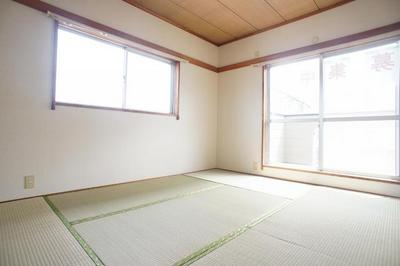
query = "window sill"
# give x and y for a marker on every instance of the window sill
(332, 173)
(112, 109)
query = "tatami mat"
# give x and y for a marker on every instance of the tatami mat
(31, 234)
(271, 186)
(257, 249)
(356, 228)
(92, 202)
(191, 217)
(165, 233)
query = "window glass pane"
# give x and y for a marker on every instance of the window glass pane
(294, 88)
(362, 82)
(361, 147)
(149, 84)
(294, 143)
(89, 71)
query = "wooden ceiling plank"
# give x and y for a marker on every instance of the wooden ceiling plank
(290, 9)
(315, 2)
(327, 3)
(147, 7)
(200, 9)
(182, 18)
(161, 7)
(236, 13)
(177, 1)
(342, 2)
(218, 15)
(199, 25)
(229, 22)
(273, 8)
(256, 12)
(204, 28)
(224, 21)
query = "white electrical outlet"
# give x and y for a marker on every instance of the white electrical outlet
(29, 181)
(255, 165)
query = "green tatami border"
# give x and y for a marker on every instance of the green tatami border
(186, 260)
(236, 186)
(108, 214)
(227, 238)
(89, 251)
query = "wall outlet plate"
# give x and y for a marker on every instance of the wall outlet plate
(29, 181)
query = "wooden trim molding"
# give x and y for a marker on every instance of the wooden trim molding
(44, 7)
(313, 47)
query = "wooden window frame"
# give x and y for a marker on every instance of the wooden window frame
(103, 37)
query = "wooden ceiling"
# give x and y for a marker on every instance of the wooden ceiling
(224, 21)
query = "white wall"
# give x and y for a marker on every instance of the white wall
(72, 148)
(240, 90)
(239, 118)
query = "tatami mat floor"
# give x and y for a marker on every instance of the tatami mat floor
(205, 218)
(31, 234)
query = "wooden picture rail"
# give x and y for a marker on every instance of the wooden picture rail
(44, 7)
(313, 47)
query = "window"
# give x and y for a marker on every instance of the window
(92, 72)
(336, 112)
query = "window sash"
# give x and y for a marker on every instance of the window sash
(321, 118)
(175, 68)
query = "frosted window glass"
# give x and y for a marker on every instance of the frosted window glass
(295, 88)
(294, 143)
(149, 84)
(89, 71)
(362, 82)
(361, 147)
